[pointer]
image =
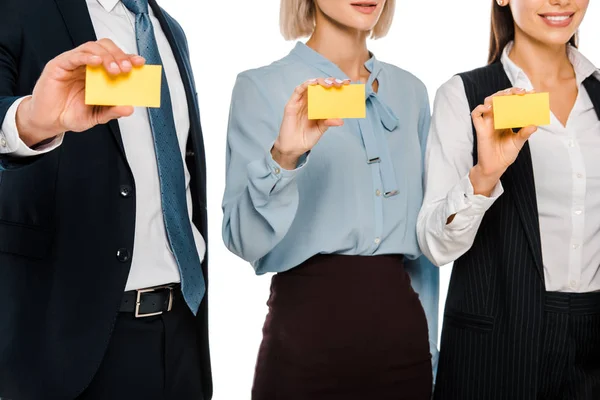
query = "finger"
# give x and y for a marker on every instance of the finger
(511, 92)
(347, 81)
(338, 83)
(301, 89)
(489, 101)
(481, 110)
(478, 115)
(121, 58)
(107, 114)
(109, 62)
(507, 92)
(333, 122)
(327, 83)
(136, 61)
(75, 60)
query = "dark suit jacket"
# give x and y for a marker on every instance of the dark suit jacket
(494, 317)
(62, 218)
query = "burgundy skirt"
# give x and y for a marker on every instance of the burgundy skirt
(344, 328)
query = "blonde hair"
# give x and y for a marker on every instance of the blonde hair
(297, 19)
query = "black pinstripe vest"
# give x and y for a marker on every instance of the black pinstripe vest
(493, 321)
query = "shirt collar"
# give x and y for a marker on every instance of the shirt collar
(315, 59)
(108, 5)
(329, 69)
(582, 66)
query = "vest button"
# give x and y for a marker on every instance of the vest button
(123, 255)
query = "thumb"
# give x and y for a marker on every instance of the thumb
(324, 124)
(523, 135)
(107, 114)
(333, 122)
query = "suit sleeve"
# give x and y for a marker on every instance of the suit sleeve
(11, 143)
(12, 153)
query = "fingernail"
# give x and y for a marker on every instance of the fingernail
(521, 90)
(114, 66)
(126, 64)
(339, 81)
(312, 80)
(488, 106)
(328, 81)
(507, 91)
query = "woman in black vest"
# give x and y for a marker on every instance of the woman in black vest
(519, 214)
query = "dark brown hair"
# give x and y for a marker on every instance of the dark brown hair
(503, 31)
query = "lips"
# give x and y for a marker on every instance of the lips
(364, 4)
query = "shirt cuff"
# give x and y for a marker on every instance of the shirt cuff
(267, 178)
(11, 143)
(286, 173)
(281, 175)
(465, 205)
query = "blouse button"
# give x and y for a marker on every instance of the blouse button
(277, 171)
(378, 192)
(377, 240)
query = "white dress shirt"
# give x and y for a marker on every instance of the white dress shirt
(152, 263)
(566, 167)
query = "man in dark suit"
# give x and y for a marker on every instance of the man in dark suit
(103, 232)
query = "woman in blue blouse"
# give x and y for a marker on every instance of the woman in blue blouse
(331, 207)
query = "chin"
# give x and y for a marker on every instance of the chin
(556, 39)
(363, 26)
(365, 29)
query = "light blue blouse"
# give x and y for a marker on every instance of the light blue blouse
(358, 192)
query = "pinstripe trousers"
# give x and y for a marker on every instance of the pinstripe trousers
(570, 367)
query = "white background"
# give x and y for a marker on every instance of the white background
(433, 39)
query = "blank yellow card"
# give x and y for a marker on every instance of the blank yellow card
(139, 88)
(347, 101)
(518, 111)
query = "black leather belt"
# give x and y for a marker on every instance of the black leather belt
(149, 302)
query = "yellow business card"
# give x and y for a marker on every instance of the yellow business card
(138, 88)
(347, 101)
(518, 111)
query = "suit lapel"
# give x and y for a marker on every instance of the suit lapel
(79, 25)
(520, 182)
(78, 21)
(592, 87)
(196, 143)
(183, 62)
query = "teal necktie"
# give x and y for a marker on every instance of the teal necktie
(170, 167)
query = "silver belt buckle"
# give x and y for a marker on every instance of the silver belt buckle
(138, 301)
